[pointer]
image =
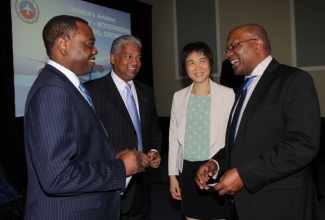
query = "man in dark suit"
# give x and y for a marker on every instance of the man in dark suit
(73, 170)
(109, 96)
(277, 136)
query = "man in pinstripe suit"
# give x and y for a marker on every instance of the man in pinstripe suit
(73, 171)
(109, 95)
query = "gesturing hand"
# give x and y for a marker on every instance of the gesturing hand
(204, 173)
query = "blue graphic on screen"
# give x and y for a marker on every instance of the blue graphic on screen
(28, 20)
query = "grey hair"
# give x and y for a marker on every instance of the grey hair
(119, 42)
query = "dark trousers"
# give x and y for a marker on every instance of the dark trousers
(231, 213)
(140, 208)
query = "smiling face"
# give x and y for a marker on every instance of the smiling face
(81, 51)
(127, 63)
(197, 67)
(245, 56)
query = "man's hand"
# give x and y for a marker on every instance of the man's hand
(230, 183)
(155, 159)
(145, 159)
(132, 161)
(204, 173)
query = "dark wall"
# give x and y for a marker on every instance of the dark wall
(8, 135)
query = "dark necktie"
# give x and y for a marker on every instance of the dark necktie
(132, 108)
(234, 122)
(86, 95)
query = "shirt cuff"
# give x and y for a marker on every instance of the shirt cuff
(217, 171)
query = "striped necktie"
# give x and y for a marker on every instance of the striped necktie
(86, 95)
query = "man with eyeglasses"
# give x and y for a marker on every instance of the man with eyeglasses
(265, 165)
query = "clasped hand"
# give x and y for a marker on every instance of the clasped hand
(136, 161)
(155, 159)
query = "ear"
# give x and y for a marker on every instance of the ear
(112, 59)
(62, 45)
(259, 45)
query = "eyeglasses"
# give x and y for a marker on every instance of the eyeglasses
(231, 47)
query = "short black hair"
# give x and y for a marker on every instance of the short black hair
(60, 26)
(199, 47)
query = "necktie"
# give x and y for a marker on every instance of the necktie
(85, 94)
(132, 108)
(234, 122)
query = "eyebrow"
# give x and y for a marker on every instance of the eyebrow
(201, 58)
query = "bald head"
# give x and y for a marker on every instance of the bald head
(256, 31)
(247, 46)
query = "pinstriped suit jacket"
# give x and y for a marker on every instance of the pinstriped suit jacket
(110, 107)
(72, 170)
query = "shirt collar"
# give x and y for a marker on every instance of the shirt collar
(260, 68)
(68, 73)
(120, 84)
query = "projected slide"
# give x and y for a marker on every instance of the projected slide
(28, 20)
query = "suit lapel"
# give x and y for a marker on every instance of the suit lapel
(257, 94)
(216, 99)
(75, 92)
(73, 89)
(183, 102)
(142, 101)
(115, 98)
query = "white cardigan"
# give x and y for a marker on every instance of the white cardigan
(222, 100)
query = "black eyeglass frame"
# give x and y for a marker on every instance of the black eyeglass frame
(231, 47)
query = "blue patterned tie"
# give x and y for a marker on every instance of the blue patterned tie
(234, 122)
(132, 108)
(85, 94)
